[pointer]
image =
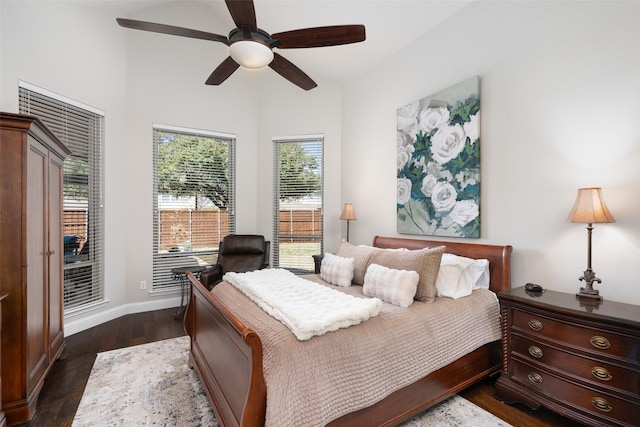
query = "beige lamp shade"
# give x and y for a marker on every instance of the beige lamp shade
(348, 213)
(590, 208)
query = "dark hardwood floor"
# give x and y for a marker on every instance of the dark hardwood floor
(517, 415)
(65, 384)
(63, 387)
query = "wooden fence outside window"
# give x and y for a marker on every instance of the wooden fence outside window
(183, 229)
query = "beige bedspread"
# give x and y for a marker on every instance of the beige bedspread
(312, 382)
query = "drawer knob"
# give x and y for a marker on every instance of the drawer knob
(535, 351)
(536, 325)
(535, 378)
(600, 342)
(601, 373)
(601, 404)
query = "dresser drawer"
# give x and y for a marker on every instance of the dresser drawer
(602, 405)
(599, 373)
(597, 341)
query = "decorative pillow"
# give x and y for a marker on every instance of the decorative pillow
(397, 287)
(459, 276)
(336, 270)
(426, 262)
(361, 256)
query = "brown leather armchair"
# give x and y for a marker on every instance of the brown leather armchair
(239, 253)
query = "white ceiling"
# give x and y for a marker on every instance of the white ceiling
(390, 25)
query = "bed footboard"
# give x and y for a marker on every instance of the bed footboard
(227, 356)
(430, 390)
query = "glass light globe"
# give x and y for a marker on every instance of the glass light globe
(251, 54)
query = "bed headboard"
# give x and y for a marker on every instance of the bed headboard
(499, 256)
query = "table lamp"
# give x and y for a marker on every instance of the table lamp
(348, 214)
(590, 208)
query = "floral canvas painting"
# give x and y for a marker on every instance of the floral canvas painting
(438, 144)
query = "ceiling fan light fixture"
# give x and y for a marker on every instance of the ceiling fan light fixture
(251, 54)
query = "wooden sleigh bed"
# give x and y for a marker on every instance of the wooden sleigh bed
(228, 355)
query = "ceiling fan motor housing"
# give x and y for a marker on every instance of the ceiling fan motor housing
(259, 36)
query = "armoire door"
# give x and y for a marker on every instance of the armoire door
(37, 360)
(56, 252)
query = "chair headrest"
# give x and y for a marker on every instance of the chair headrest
(243, 244)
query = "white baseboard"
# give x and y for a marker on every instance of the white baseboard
(89, 320)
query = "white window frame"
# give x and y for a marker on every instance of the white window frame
(299, 263)
(72, 121)
(163, 262)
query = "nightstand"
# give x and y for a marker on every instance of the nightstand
(576, 357)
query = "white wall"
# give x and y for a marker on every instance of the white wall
(286, 110)
(560, 105)
(75, 50)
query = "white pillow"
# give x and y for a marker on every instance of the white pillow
(337, 270)
(459, 276)
(397, 287)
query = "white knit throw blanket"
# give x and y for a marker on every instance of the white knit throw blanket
(306, 308)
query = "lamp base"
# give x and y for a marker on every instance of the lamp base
(594, 297)
(588, 292)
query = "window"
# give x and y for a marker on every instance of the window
(297, 202)
(193, 198)
(81, 128)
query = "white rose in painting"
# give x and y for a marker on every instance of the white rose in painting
(428, 182)
(447, 143)
(403, 139)
(404, 190)
(405, 149)
(408, 119)
(472, 128)
(443, 196)
(433, 118)
(404, 155)
(464, 212)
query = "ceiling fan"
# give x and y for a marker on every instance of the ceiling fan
(252, 47)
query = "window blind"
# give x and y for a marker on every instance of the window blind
(81, 128)
(193, 199)
(298, 202)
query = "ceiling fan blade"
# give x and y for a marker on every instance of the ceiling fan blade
(222, 72)
(290, 72)
(170, 29)
(320, 36)
(243, 13)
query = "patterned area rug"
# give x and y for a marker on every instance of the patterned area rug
(152, 384)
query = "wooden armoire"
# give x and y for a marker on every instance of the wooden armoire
(31, 260)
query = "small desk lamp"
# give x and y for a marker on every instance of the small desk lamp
(588, 209)
(348, 214)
